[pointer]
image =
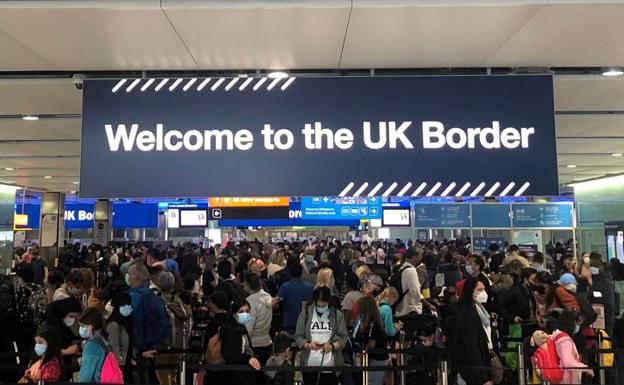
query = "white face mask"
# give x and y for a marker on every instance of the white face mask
(482, 297)
(586, 260)
(571, 287)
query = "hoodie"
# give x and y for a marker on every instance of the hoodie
(261, 317)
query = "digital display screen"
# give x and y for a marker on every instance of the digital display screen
(193, 218)
(173, 218)
(396, 217)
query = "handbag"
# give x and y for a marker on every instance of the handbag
(496, 368)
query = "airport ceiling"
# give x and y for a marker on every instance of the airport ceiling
(42, 43)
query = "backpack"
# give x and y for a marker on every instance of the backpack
(213, 354)
(607, 358)
(157, 323)
(32, 302)
(395, 281)
(111, 372)
(548, 363)
(180, 324)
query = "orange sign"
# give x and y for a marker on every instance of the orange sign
(248, 201)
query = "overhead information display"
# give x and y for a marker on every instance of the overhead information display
(542, 215)
(442, 215)
(225, 137)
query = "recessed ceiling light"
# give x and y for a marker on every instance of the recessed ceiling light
(278, 75)
(72, 192)
(617, 154)
(76, 182)
(48, 177)
(30, 117)
(571, 166)
(9, 169)
(613, 72)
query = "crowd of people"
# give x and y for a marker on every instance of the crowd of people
(314, 302)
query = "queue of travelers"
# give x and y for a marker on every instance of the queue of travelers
(126, 313)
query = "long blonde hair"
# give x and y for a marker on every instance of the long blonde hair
(325, 277)
(388, 293)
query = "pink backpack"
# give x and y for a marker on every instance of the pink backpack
(111, 372)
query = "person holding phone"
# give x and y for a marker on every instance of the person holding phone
(321, 335)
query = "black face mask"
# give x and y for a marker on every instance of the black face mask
(541, 290)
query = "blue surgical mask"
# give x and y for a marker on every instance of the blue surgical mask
(84, 332)
(109, 274)
(594, 270)
(322, 310)
(73, 291)
(125, 310)
(40, 349)
(309, 258)
(577, 329)
(469, 269)
(243, 318)
(127, 279)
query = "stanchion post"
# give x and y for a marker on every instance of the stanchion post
(183, 371)
(444, 369)
(521, 370)
(365, 366)
(401, 357)
(601, 372)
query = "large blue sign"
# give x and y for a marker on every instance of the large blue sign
(319, 136)
(340, 208)
(442, 215)
(491, 216)
(542, 215)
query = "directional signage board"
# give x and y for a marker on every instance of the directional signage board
(480, 244)
(341, 208)
(491, 216)
(227, 137)
(441, 215)
(542, 215)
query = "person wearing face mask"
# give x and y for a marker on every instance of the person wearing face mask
(603, 284)
(236, 345)
(544, 283)
(309, 264)
(71, 287)
(46, 364)
(261, 312)
(472, 335)
(95, 348)
(562, 295)
(570, 360)
(321, 334)
(61, 316)
(119, 331)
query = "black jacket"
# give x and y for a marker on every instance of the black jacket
(470, 347)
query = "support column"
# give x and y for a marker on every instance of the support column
(102, 222)
(7, 205)
(52, 226)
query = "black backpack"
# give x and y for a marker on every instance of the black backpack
(395, 281)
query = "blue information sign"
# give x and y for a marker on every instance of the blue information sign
(546, 215)
(491, 216)
(482, 244)
(442, 215)
(340, 208)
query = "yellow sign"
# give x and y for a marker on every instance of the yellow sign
(20, 220)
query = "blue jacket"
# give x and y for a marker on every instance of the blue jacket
(294, 293)
(138, 316)
(93, 356)
(386, 316)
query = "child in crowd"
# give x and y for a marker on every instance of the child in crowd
(281, 357)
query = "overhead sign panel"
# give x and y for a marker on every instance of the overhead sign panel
(321, 136)
(341, 208)
(442, 215)
(546, 215)
(491, 215)
(248, 201)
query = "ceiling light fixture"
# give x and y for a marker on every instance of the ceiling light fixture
(617, 154)
(47, 177)
(277, 75)
(30, 117)
(613, 72)
(76, 182)
(9, 169)
(72, 192)
(571, 166)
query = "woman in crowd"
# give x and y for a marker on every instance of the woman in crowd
(46, 364)
(350, 299)
(55, 280)
(325, 277)
(321, 334)
(61, 315)
(386, 300)
(95, 349)
(236, 346)
(372, 329)
(278, 262)
(472, 335)
(570, 361)
(119, 331)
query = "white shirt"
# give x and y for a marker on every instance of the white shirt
(320, 333)
(411, 285)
